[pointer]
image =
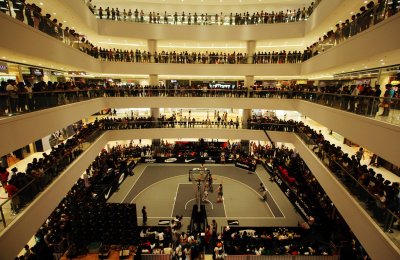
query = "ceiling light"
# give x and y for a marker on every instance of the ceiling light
(3, 57)
(41, 3)
(54, 13)
(24, 61)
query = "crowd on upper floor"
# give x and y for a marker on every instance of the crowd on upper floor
(385, 194)
(239, 18)
(213, 57)
(361, 99)
(23, 186)
(369, 15)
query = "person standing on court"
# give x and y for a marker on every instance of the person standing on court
(144, 215)
(220, 193)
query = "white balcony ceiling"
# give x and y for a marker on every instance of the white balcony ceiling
(207, 2)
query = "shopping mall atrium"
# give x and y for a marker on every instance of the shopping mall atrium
(200, 129)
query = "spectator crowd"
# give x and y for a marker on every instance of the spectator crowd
(189, 18)
(368, 15)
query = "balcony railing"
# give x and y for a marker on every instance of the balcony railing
(15, 103)
(188, 18)
(31, 15)
(382, 212)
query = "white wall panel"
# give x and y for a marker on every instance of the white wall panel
(201, 33)
(220, 133)
(380, 137)
(81, 12)
(18, 131)
(377, 136)
(322, 12)
(373, 42)
(371, 236)
(228, 70)
(18, 233)
(202, 102)
(29, 42)
(378, 40)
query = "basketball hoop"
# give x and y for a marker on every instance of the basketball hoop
(199, 178)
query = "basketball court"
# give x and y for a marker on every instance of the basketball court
(166, 191)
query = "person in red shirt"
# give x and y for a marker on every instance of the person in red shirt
(11, 191)
(4, 177)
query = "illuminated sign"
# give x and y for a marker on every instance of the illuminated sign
(3, 67)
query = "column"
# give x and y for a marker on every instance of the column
(248, 81)
(152, 48)
(153, 80)
(246, 116)
(155, 113)
(20, 76)
(245, 146)
(251, 49)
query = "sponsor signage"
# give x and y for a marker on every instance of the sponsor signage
(301, 207)
(36, 71)
(249, 167)
(170, 160)
(233, 222)
(3, 67)
(110, 188)
(57, 73)
(78, 73)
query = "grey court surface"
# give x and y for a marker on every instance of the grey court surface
(165, 190)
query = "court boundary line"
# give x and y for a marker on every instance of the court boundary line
(212, 205)
(222, 217)
(176, 195)
(155, 184)
(237, 181)
(271, 193)
(258, 195)
(134, 183)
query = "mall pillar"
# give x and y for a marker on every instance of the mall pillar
(20, 76)
(152, 48)
(153, 80)
(248, 81)
(251, 49)
(245, 117)
(155, 113)
(245, 146)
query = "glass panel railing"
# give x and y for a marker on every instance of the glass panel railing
(375, 201)
(199, 58)
(381, 108)
(31, 15)
(382, 211)
(188, 18)
(18, 101)
(23, 188)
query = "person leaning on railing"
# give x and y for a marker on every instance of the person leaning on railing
(387, 101)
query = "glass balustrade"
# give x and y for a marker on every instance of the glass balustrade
(31, 15)
(379, 108)
(194, 18)
(384, 214)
